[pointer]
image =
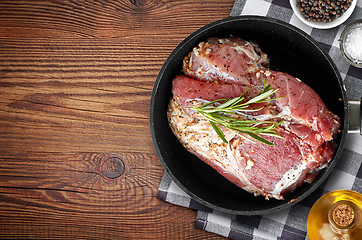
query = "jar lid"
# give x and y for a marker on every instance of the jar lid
(343, 215)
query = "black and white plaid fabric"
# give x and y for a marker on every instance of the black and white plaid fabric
(292, 222)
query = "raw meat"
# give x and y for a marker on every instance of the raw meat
(226, 68)
(227, 60)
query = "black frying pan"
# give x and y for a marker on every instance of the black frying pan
(290, 50)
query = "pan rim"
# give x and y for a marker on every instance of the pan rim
(332, 162)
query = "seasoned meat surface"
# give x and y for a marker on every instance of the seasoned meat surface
(226, 60)
(225, 69)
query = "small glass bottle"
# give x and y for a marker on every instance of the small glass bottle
(336, 215)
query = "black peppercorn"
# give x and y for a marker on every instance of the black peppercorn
(323, 10)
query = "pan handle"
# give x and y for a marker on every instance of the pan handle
(355, 116)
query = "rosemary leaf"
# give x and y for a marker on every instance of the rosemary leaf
(219, 132)
(231, 102)
(226, 114)
(260, 139)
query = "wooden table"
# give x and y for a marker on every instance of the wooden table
(75, 82)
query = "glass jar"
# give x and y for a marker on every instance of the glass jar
(336, 216)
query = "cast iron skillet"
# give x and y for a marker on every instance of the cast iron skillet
(290, 50)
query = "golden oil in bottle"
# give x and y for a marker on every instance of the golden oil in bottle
(336, 215)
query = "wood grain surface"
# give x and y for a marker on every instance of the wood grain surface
(75, 84)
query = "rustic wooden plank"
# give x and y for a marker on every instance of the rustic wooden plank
(68, 195)
(24, 219)
(79, 172)
(74, 104)
(65, 88)
(75, 83)
(83, 18)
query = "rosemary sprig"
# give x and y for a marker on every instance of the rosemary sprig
(223, 115)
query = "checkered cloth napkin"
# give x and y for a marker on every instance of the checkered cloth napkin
(290, 223)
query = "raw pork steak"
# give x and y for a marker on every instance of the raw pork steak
(225, 69)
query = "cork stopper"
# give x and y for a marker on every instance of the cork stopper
(343, 215)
